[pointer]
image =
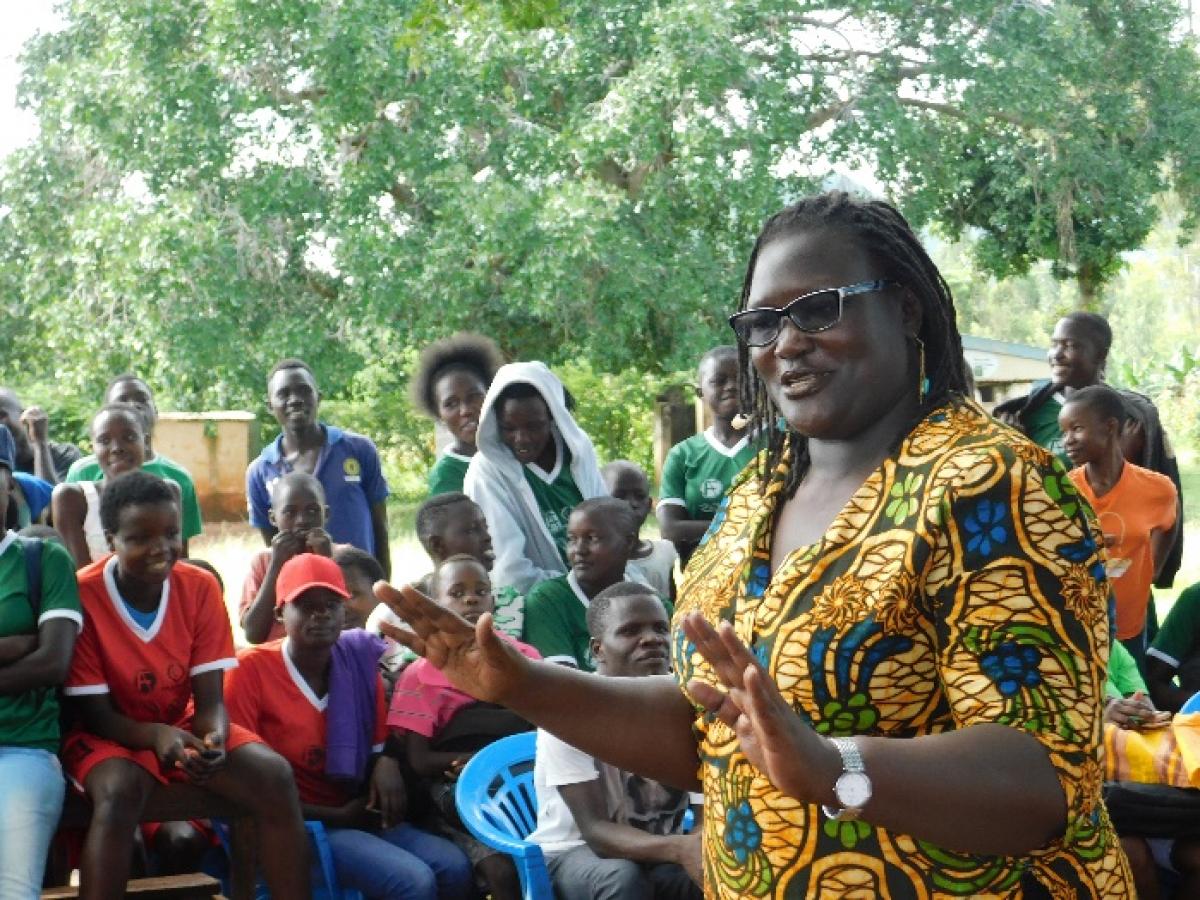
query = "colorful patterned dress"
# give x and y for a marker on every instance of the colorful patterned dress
(959, 585)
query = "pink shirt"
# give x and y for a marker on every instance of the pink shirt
(424, 701)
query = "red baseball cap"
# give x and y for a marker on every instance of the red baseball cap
(306, 571)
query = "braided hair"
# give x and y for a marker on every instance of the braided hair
(882, 232)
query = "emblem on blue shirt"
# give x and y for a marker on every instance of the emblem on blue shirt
(352, 469)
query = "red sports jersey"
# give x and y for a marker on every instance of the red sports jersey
(148, 672)
(268, 695)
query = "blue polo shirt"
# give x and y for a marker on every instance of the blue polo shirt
(348, 469)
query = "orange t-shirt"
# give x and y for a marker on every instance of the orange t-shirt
(1141, 502)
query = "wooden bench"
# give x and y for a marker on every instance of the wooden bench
(179, 802)
(171, 887)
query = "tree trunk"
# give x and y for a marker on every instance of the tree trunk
(1091, 285)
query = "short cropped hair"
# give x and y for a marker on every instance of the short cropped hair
(296, 477)
(431, 515)
(291, 362)
(352, 558)
(717, 354)
(600, 605)
(126, 376)
(136, 488)
(128, 409)
(616, 512)
(1103, 400)
(1095, 326)
(435, 579)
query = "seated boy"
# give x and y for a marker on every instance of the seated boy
(361, 570)
(129, 388)
(653, 559)
(298, 512)
(147, 683)
(317, 698)
(443, 728)
(1175, 653)
(1136, 508)
(448, 525)
(608, 833)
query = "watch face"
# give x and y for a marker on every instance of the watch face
(853, 789)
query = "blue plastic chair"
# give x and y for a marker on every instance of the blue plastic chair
(497, 802)
(328, 889)
(1192, 705)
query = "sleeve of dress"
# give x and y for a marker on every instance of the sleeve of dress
(1019, 597)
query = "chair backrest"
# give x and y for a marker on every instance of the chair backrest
(495, 789)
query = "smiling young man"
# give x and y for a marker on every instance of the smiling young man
(346, 464)
(608, 833)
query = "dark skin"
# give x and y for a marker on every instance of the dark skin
(597, 551)
(119, 442)
(32, 661)
(718, 388)
(293, 399)
(30, 429)
(524, 424)
(633, 644)
(313, 622)
(147, 545)
(458, 397)
(298, 510)
(851, 390)
(136, 393)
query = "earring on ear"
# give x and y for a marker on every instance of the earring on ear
(922, 381)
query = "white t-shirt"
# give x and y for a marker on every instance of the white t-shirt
(658, 569)
(628, 799)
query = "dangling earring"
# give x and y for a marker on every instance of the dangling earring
(922, 381)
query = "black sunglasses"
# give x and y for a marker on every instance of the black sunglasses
(811, 313)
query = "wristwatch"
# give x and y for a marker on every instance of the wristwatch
(853, 787)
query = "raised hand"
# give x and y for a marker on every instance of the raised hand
(473, 658)
(797, 760)
(37, 425)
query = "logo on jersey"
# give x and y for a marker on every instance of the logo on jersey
(175, 672)
(352, 469)
(313, 758)
(711, 489)
(145, 681)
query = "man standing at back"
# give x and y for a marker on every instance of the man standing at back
(30, 430)
(346, 464)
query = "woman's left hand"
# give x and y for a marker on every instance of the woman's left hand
(797, 760)
(386, 793)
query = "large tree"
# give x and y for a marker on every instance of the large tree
(219, 182)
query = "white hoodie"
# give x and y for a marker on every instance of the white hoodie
(525, 551)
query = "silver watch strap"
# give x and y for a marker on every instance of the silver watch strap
(852, 760)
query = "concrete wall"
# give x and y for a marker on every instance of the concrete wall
(215, 447)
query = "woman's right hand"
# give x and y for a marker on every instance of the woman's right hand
(474, 659)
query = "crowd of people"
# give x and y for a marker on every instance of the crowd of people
(872, 654)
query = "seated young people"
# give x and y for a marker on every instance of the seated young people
(119, 439)
(654, 559)
(39, 624)
(129, 388)
(147, 684)
(361, 570)
(447, 525)
(298, 513)
(284, 691)
(443, 728)
(1173, 659)
(29, 428)
(601, 537)
(1136, 508)
(607, 833)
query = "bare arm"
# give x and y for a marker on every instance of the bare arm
(615, 840)
(16, 646)
(1160, 678)
(641, 725)
(676, 527)
(1160, 548)
(259, 616)
(47, 664)
(69, 507)
(37, 429)
(426, 761)
(930, 787)
(379, 526)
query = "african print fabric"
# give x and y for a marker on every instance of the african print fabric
(959, 585)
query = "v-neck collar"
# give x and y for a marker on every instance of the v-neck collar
(575, 586)
(318, 703)
(146, 635)
(551, 476)
(730, 452)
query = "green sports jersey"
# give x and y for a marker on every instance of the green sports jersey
(1178, 638)
(556, 621)
(1042, 428)
(448, 473)
(557, 495)
(30, 718)
(1123, 675)
(698, 472)
(87, 469)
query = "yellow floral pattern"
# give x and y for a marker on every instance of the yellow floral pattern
(961, 584)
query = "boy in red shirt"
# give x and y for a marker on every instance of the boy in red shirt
(1136, 508)
(147, 682)
(282, 690)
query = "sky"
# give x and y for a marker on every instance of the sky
(22, 19)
